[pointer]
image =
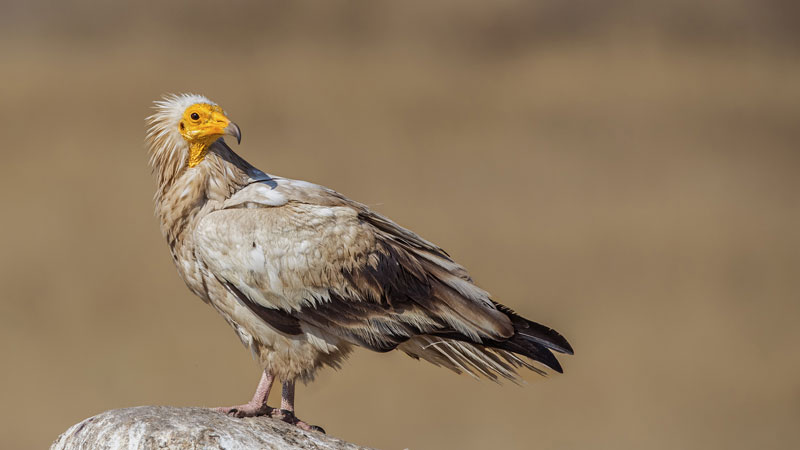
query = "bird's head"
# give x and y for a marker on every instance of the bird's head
(203, 123)
(184, 127)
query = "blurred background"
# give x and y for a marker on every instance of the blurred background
(625, 172)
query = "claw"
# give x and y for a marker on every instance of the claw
(288, 416)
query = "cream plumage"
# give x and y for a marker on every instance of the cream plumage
(303, 274)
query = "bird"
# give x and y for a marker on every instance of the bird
(304, 275)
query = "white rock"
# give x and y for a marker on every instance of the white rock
(163, 427)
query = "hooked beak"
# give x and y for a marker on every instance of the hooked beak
(233, 130)
(219, 125)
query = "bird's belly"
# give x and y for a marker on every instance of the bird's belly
(286, 356)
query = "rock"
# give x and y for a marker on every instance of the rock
(163, 427)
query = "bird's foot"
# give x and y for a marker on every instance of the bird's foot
(247, 410)
(260, 409)
(289, 417)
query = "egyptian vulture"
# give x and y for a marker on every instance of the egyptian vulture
(304, 274)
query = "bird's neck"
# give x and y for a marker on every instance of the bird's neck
(197, 152)
(200, 188)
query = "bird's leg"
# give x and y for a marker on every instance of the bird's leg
(286, 413)
(258, 405)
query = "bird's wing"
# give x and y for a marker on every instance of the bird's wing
(301, 255)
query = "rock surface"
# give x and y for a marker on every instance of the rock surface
(163, 427)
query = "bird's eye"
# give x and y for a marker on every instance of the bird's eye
(195, 116)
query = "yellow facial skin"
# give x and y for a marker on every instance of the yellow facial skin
(201, 125)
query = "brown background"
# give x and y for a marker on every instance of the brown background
(626, 172)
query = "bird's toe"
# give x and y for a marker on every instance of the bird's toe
(289, 417)
(246, 410)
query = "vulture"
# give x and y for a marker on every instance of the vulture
(304, 275)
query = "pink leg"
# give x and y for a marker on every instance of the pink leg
(287, 396)
(286, 413)
(258, 405)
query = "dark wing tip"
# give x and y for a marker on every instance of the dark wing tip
(532, 350)
(548, 359)
(537, 332)
(557, 366)
(555, 340)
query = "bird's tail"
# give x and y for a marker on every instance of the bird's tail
(493, 358)
(466, 357)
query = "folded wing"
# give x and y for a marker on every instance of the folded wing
(299, 255)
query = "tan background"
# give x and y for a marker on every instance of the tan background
(626, 172)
